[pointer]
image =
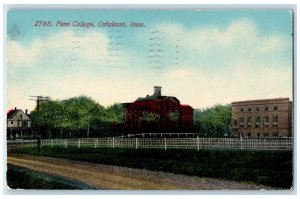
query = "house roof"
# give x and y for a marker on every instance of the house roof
(13, 112)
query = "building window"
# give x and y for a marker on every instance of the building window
(235, 122)
(257, 119)
(11, 122)
(275, 121)
(266, 119)
(249, 135)
(21, 116)
(249, 121)
(242, 110)
(249, 109)
(241, 119)
(266, 134)
(275, 134)
(257, 108)
(275, 108)
(257, 134)
(266, 108)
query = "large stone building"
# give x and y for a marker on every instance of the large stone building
(262, 118)
(158, 113)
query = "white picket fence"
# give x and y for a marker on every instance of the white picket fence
(174, 143)
(21, 142)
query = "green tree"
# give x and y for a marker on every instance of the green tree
(116, 113)
(214, 121)
(77, 116)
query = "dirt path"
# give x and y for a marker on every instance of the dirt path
(123, 178)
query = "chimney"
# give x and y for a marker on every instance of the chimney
(157, 91)
(15, 108)
(26, 111)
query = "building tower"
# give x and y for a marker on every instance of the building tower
(157, 91)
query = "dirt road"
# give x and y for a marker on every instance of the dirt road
(123, 178)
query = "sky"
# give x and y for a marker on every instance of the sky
(202, 57)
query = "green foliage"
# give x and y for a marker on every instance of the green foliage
(174, 116)
(150, 117)
(116, 113)
(214, 121)
(76, 115)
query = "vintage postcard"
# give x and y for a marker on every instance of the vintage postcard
(149, 99)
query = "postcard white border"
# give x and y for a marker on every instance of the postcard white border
(158, 5)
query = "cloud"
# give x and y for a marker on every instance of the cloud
(17, 54)
(181, 73)
(59, 47)
(117, 87)
(232, 63)
(241, 38)
(216, 65)
(242, 82)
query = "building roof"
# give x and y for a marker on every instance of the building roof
(154, 97)
(186, 105)
(13, 112)
(261, 101)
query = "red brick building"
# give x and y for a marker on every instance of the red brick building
(158, 113)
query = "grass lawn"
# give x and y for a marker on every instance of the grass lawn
(272, 168)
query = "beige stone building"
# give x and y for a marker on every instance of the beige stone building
(262, 118)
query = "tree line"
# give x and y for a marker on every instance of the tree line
(84, 117)
(76, 117)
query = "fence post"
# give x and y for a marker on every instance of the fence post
(113, 142)
(136, 143)
(79, 143)
(96, 142)
(265, 143)
(198, 147)
(51, 143)
(165, 143)
(66, 144)
(241, 140)
(39, 144)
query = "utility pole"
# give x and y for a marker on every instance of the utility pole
(39, 99)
